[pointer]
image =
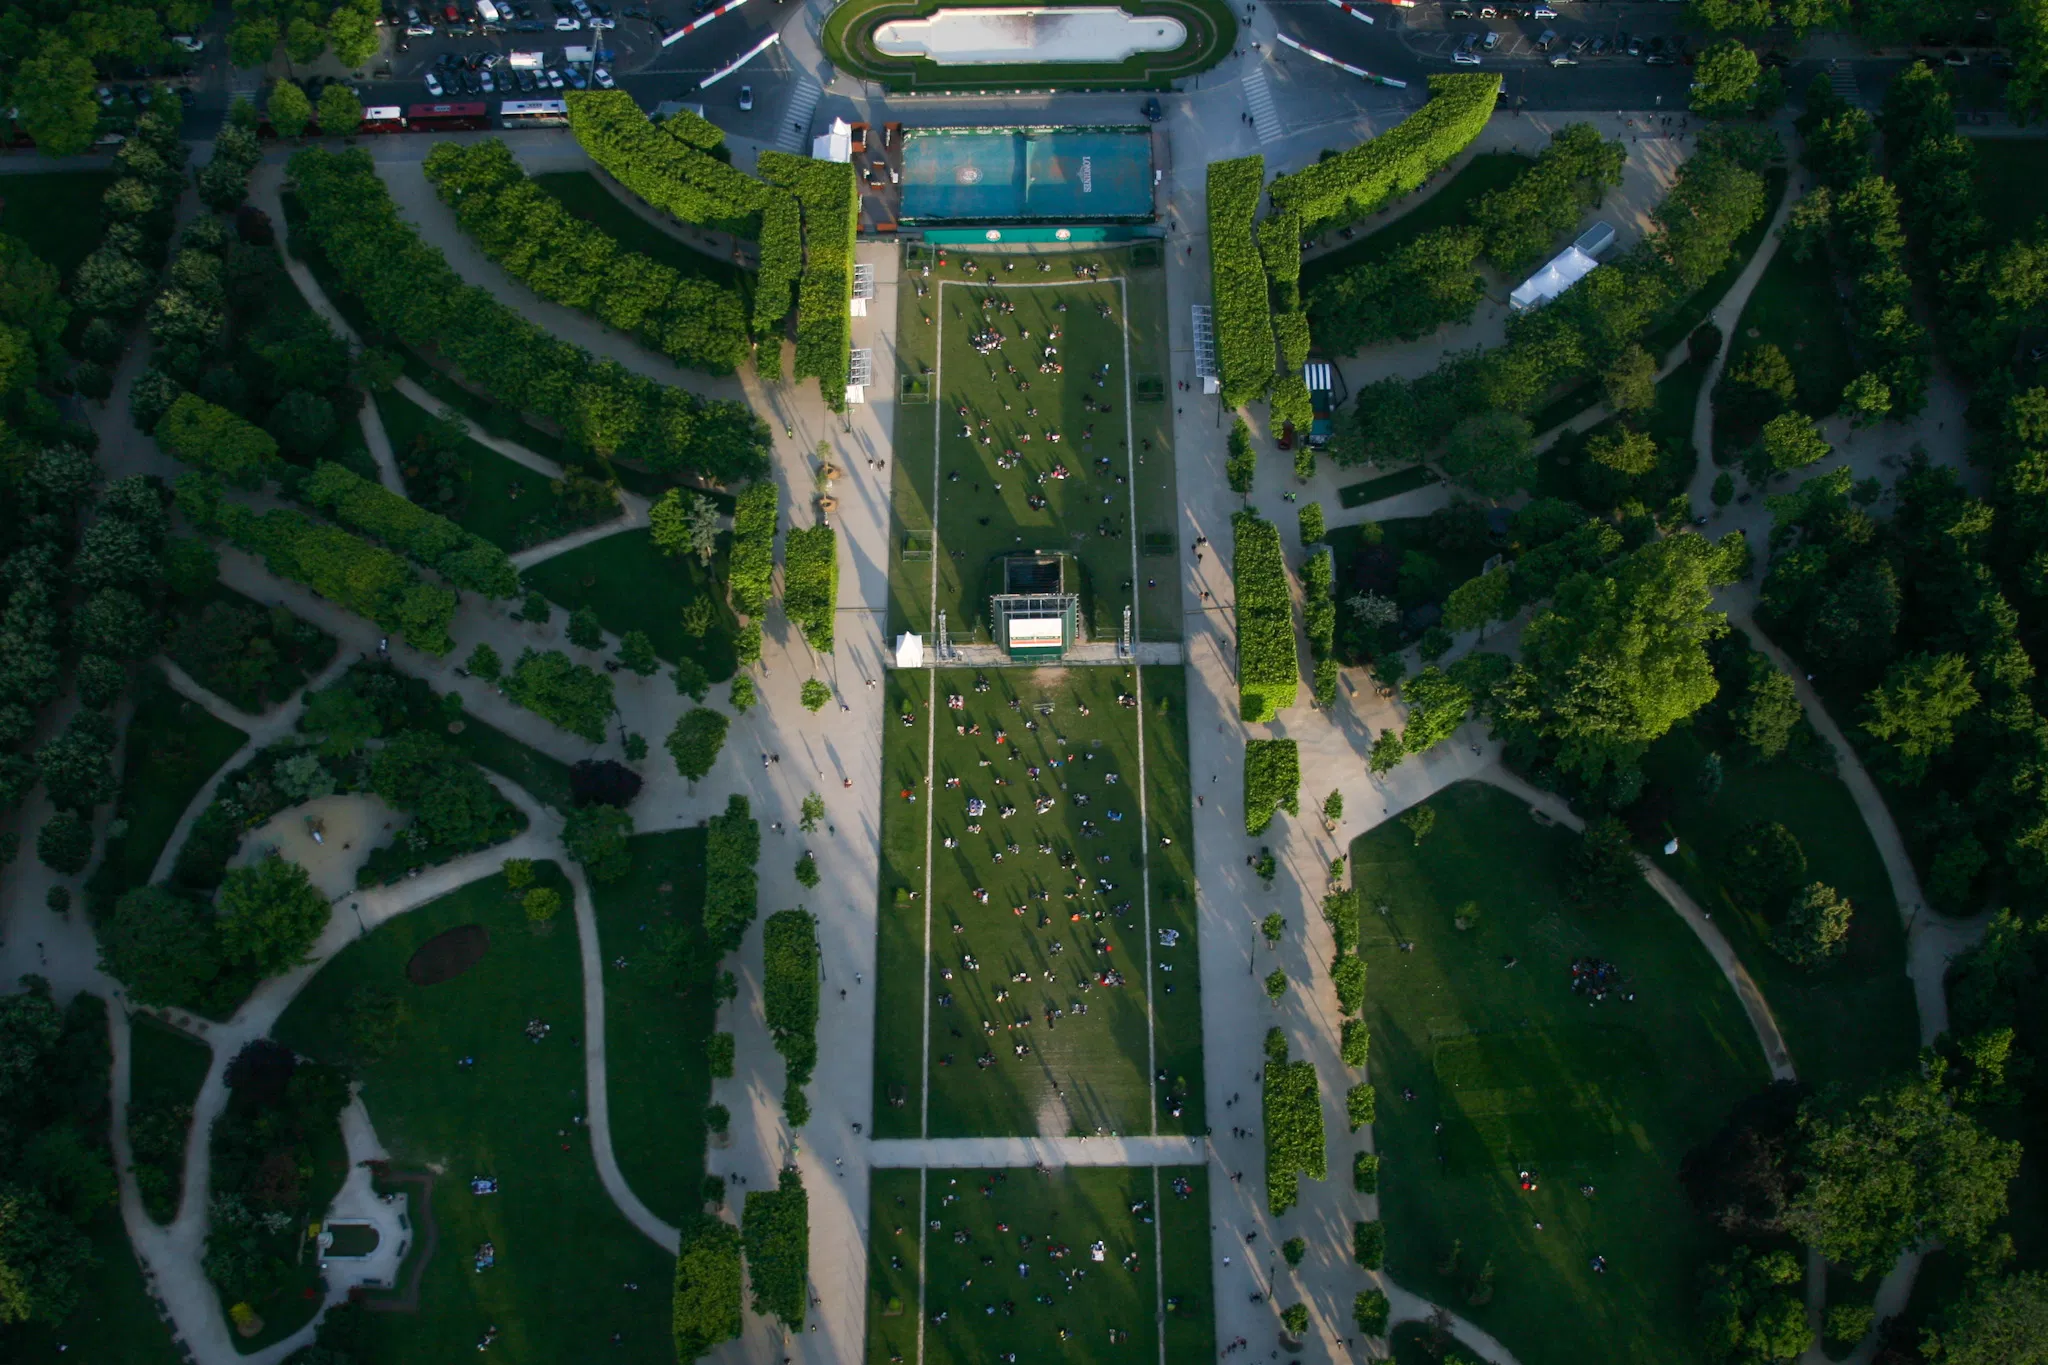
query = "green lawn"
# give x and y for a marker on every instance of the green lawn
(2012, 185)
(173, 746)
(1477, 178)
(581, 194)
(1046, 1224)
(1386, 486)
(1564, 471)
(981, 509)
(546, 779)
(115, 1319)
(633, 586)
(1083, 1073)
(57, 213)
(1795, 307)
(1523, 1074)
(564, 1252)
(504, 502)
(1855, 1021)
(655, 1035)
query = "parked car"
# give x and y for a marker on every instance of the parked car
(602, 77)
(1543, 12)
(1634, 47)
(489, 82)
(1598, 47)
(1461, 14)
(1543, 43)
(1465, 56)
(746, 98)
(187, 43)
(1153, 113)
(1564, 59)
(419, 30)
(577, 80)
(554, 80)
(1490, 41)
(568, 24)
(1660, 59)
(1954, 58)
(598, 23)
(434, 86)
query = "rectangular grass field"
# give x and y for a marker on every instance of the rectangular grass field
(1057, 896)
(631, 585)
(959, 509)
(1065, 1266)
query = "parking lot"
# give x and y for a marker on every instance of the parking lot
(1516, 34)
(472, 54)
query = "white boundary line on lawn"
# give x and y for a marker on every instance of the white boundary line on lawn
(1158, 1267)
(931, 751)
(924, 1180)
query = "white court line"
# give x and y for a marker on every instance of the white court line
(1158, 1267)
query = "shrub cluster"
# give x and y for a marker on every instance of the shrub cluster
(1280, 249)
(1361, 1105)
(345, 569)
(829, 198)
(1272, 781)
(706, 1307)
(562, 692)
(1365, 1173)
(1369, 1244)
(1357, 1043)
(750, 569)
(1268, 670)
(1520, 221)
(1243, 317)
(408, 290)
(731, 848)
(1370, 1310)
(1347, 973)
(670, 167)
(463, 558)
(776, 1229)
(1242, 466)
(810, 583)
(1319, 602)
(210, 437)
(1294, 1130)
(695, 322)
(1371, 175)
(789, 1000)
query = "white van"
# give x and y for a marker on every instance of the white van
(487, 11)
(528, 61)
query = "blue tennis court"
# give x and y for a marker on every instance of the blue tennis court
(1039, 174)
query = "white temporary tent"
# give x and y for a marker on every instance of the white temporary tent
(909, 650)
(1566, 269)
(835, 143)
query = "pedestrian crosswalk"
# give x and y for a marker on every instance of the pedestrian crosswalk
(1258, 99)
(1842, 79)
(797, 122)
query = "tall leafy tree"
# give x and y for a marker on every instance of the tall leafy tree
(1915, 709)
(269, 914)
(53, 98)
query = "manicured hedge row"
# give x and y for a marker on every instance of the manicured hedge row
(346, 570)
(1280, 248)
(408, 290)
(782, 260)
(750, 568)
(694, 322)
(789, 1000)
(212, 438)
(1521, 220)
(1268, 673)
(1357, 1044)
(1361, 1105)
(1319, 606)
(464, 559)
(732, 846)
(776, 1228)
(1293, 1106)
(706, 1307)
(563, 692)
(693, 129)
(1242, 465)
(1290, 402)
(810, 583)
(1370, 1310)
(1372, 174)
(1347, 973)
(829, 195)
(668, 167)
(1290, 329)
(1243, 315)
(1272, 781)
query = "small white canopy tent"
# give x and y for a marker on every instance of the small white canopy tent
(1565, 269)
(835, 143)
(909, 650)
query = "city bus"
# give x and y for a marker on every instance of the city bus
(448, 118)
(533, 114)
(383, 118)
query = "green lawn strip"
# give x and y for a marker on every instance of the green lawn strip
(1084, 1073)
(1386, 486)
(1524, 1074)
(659, 1074)
(2012, 185)
(1066, 1212)
(165, 1070)
(982, 511)
(1177, 1003)
(912, 558)
(581, 194)
(849, 40)
(1184, 1250)
(1483, 174)
(564, 1253)
(545, 778)
(57, 214)
(1669, 422)
(173, 746)
(504, 502)
(1853, 1022)
(900, 921)
(633, 586)
(115, 1319)
(892, 1264)
(1796, 308)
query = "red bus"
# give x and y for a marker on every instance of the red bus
(383, 118)
(448, 118)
